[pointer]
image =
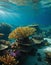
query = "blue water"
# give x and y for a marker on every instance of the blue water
(24, 15)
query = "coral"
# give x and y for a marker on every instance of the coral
(2, 47)
(8, 60)
(37, 41)
(48, 54)
(5, 29)
(38, 30)
(21, 35)
(4, 42)
(48, 57)
(21, 32)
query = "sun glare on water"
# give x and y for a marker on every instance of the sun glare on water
(2, 12)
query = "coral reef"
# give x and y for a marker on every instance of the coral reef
(21, 32)
(21, 35)
(8, 60)
(28, 41)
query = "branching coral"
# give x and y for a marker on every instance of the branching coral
(8, 60)
(21, 32)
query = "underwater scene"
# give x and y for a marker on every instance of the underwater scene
(25, 32)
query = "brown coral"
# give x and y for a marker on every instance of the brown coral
(8, 59)
(21, 32)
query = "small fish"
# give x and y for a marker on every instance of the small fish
(1, 34)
